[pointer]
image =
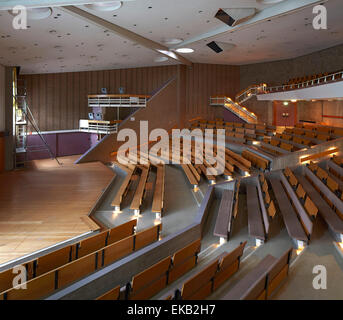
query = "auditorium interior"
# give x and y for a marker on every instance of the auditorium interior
(253, 92)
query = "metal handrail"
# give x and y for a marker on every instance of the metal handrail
(309, 83)
(226, 100)
(252, 90)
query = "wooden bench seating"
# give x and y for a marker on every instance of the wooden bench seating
(255, 220)
(328, 214)
(303, 216)
(152, 280)
(210, 277)
(122, 190)
(60, 257)
(139, 193)
(255, 159)
(263, 281)
(45, 284)
(290, 218)
(192, 176)
(157, 203)
(223, 222)
(269, 203)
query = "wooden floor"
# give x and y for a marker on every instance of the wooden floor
(47, 204)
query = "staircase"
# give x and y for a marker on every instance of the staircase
(234, 107)
(250, 92)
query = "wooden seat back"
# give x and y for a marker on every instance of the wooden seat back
(300, 192)
(271, 209)
(310, 207)
(332, 184)
(321, 174)
(147, 236)
(228, 265)
(278, 272)
(286, 146)
(267, 197)
(274, 142)
(293, 180)
(54, 260)
(157, 204)
(150, 281)
(122, 231)
(184, 260)
(200, 285)
(111, 295)
(91, 244)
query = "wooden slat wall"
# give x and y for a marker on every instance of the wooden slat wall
(59, 100)
(205, 80)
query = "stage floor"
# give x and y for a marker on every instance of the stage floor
(47, 204)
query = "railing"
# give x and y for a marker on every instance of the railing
(249, 92)
(99, 127)
(115, 101)
(338, 76)
(234, 107)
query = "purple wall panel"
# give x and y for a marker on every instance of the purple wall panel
(34, 142)
(61, 144)
(73, 143)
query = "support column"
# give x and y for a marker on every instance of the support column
(9, 142)
(2, 118)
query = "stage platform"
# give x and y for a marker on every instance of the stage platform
(47, 204)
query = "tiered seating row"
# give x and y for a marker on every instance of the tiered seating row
(263, 281)
(58, 258)
(65, 275)
(328, 214)
(235, 130)
(269, 203)
(303, 215)
(326, 188)
(227, 212)
(305, 200)
(257, 160)
(149, 282)
(211, 277)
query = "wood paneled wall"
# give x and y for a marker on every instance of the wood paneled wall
(205, 80)
(59, 100)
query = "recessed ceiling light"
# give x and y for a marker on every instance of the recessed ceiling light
(172, 41)
(36, 13)
(105, 6)
(161, 59)
(184, 50)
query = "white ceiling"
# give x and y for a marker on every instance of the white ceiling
(63, 43)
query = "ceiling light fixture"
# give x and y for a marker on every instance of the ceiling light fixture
(172, 41)
(184, 50)
(105, 6)
(161, 59)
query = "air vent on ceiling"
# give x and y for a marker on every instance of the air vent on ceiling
(235, 16)
(214, 46)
